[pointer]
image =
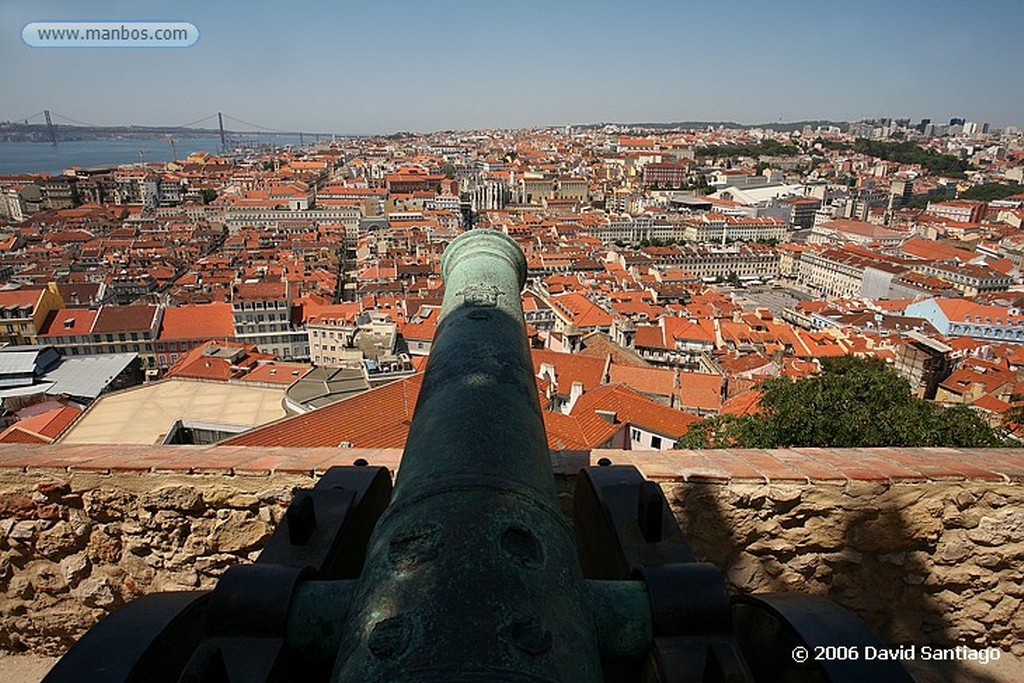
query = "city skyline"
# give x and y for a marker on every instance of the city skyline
(362, 69)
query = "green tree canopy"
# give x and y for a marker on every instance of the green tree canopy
(767, 147)
(912, 153)
(855, 402)
(991, 191)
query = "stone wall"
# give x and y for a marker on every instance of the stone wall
(73, 547)
(934, 563)
(927, 545)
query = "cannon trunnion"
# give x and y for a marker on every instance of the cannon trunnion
(467, 569)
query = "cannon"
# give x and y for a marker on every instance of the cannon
(468, 569)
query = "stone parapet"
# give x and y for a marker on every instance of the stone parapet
(926, 544)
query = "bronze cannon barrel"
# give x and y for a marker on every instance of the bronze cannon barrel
(472, 572)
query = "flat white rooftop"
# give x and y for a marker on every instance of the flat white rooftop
(143, 415)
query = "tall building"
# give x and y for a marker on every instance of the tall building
(262, 313)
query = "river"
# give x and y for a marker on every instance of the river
(42, 157)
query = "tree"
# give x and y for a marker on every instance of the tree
(854, 403)
(1013, 419)
(207, 195)
(988, 192)
(911, 153)
(921, 201)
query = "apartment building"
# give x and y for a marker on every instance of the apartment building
(965, 318)
(843, 230)
(23, 313)
(716, 227)
(111, 329)
(713, 262)
(971, 279)
(262, 313)
(958, 210)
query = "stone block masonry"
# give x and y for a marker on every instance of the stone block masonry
(927, 545)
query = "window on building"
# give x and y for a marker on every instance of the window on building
(655, 442)
(636, 435)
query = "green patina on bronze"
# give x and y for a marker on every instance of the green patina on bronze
(472, 573)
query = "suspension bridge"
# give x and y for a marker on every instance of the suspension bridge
(54, 121)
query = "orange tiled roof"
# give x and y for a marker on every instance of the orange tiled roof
(260, 291)
(962, 379)
(578, 432)
(378, 418)
(419, 331)
(650, 337)
(932, 250)
(197, 365)
(684, 329)
(346, 311)
(19, 297)
(636, 409)
(658, 381)
(41, 428)
(581, 311)
(277, 372)
(700, 391)
(570, 368)
(197, 321)
(744, 403)
(991, 404)
(68, 322)
(15, 434)
(958, 310)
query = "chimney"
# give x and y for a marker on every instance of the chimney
(574, 394)
(547, 370)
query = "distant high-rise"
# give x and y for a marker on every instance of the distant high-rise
(975, 128)
(956, 121)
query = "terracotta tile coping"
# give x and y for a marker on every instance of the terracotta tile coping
(795, 465)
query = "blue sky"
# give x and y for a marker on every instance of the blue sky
(364, 67)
